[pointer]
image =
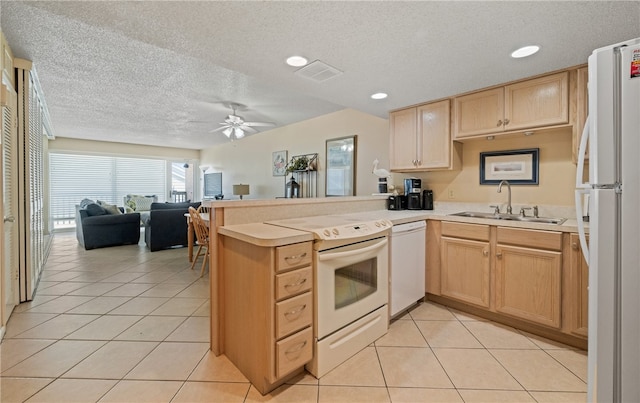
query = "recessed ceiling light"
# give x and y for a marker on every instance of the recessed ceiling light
(379, 95)
(525, 51)
(297, 61)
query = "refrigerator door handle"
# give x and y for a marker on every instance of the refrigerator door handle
(579, 213)
(581, 153)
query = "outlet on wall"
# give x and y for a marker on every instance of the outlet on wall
(451, 194)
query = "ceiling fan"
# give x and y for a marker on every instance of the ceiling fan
(236, 125)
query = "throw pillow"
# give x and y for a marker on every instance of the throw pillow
(85, 202)
(143, 203)
(128, 209)
(110, 208)
(95, 209)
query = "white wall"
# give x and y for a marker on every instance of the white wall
(248, 160)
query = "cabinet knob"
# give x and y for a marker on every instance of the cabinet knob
(506, 122)
(499, 255)
(574, 246)
(485, 252)
(499, 123)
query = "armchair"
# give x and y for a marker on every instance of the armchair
(165, 225)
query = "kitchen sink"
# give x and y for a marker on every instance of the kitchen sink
(510, 217)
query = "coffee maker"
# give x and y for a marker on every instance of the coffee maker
(413, 193)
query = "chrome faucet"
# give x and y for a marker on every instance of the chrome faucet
(509, 209)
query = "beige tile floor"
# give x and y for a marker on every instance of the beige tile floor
(125, 325)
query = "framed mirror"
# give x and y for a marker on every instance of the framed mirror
(340, 178)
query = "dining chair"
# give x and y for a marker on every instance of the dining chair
(203, 209)
(202, 238)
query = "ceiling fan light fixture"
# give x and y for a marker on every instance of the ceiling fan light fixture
(525, 51)
(227, 132)
(238, 132)
(297, 61)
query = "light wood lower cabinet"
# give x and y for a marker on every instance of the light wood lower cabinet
(465, 270)
(268, 310)
(532, 279)
(464, 254)
(577, 289)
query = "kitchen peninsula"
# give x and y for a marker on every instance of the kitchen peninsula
(495, 289)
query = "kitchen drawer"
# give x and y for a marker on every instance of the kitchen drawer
(531, 238)
(293, 256)
(293, 282)
(293, 314)
(478, 232)
(293, 352)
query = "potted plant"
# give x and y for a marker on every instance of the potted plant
(299, 163)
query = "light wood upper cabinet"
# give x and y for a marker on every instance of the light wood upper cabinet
(404, 140)
(479, 113)
(582, 110)
(420, 138)
(538, 102)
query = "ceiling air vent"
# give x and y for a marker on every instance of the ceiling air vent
(318, 71)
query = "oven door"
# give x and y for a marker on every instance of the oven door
(351, 281)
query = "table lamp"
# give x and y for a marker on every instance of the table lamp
(240, 190)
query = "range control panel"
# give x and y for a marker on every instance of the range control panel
(358, 230)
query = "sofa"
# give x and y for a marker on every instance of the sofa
(165, 225)
(96, 227)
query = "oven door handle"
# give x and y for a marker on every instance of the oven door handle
(340, 255)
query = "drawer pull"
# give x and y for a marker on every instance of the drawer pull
(295, 259)
(295, 285)
(295, 312)
(506, 122)
(294, 352)
(499, 123)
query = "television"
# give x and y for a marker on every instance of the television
(213, 185)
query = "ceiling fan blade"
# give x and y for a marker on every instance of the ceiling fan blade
(219, 128)
(248, 128)
(256, 124)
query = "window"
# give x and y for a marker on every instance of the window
(75, 177)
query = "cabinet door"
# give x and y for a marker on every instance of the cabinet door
(402, 136)
(579, 292)
(434, 136)
(528, 284)
(465, 270)
(582, 110)
(539, 102)
(479, 113)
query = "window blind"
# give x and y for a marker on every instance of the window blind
(74, 177)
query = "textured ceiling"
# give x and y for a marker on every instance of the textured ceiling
(163, 73)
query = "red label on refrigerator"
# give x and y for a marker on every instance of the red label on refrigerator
(635, 64)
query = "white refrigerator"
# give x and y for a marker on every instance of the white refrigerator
(613, 253)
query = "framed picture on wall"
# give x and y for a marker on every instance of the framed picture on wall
(519, 167)
(279, 162)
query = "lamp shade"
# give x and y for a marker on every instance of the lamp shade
(240, 190)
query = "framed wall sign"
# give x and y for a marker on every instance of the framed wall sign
(341, 167)
(278, 162)
(519, 167)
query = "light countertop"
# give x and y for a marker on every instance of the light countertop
(270, 235)
(264, 234)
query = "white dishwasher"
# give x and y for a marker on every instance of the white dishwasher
(407, 269)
